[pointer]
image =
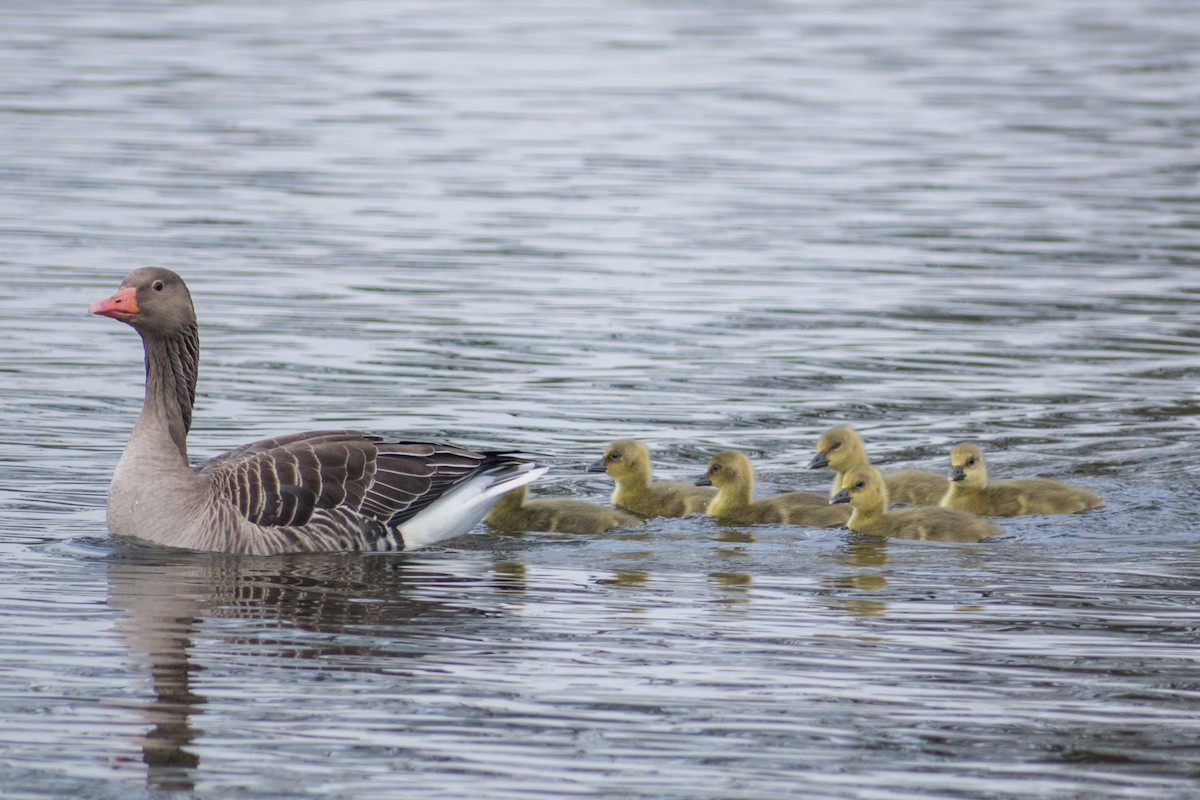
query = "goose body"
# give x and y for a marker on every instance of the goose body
(627, 462)
(970, 490)
(733, 475)
(867, 495)
(841, 449)
(318, 491)
(515, 512)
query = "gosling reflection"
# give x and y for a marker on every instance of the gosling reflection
(734, 587)
(864, 551)
(511, 576)
(861, 552)
(737, 541)
(627, 578)
(864, 606)
(166, 597)
(734, 535)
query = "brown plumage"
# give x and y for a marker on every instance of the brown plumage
(515, 512)
(970, 490)
(316, 491)
(866, 493)
(627, 462)
(733, 475)
(841, 449)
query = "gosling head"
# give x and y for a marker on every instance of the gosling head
(623, 459)
(727, 468)
(862, 488)
(838, 448)
(966, 465)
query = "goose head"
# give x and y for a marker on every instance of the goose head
(153, 300)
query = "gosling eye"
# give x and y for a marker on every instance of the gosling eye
(859, 484)
(835, 445)
(614, 456)
(157, 286)
(971, 461)
(715, 468)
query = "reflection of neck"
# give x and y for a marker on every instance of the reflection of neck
(163, 748)
(157, 624)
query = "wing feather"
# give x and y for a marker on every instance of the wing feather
(289, 480)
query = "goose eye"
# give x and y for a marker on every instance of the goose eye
(715, 468)
(860, 484)
(157, 286)
(971, 462)
(614, 456)
(835, 445)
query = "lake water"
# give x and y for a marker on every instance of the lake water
(551, 225)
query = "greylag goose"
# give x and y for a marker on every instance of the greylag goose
(867, 495)
(841, 449)
(627, 462)
(970, 490)
(334, 490)
(515, 512)
(733, 475)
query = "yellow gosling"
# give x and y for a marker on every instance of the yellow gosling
(627, 462)
(841, 449)
(867, 495)
(731, 472)
(515, 512)
(970, 490)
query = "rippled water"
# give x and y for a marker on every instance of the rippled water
(551, 225)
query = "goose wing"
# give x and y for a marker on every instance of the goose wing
(286, 480)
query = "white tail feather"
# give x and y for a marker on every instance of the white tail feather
(460, 510)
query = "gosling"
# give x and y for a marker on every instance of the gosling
(841, 449)
(867, 495)
(730, 471)
(970, 490)
(515, 512)
(627, 462)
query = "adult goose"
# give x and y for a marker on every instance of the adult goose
(733, 475)
(867, 495)
(627, 462)
(336, 490)
(841, 449)
(970, 490)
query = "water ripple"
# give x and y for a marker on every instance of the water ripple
(549, 227)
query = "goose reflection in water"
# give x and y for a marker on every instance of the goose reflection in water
(166, 599)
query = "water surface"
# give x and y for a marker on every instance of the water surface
(552, 225)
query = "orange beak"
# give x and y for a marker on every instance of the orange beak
(122, 305)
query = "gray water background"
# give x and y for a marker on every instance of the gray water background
(550, 225)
